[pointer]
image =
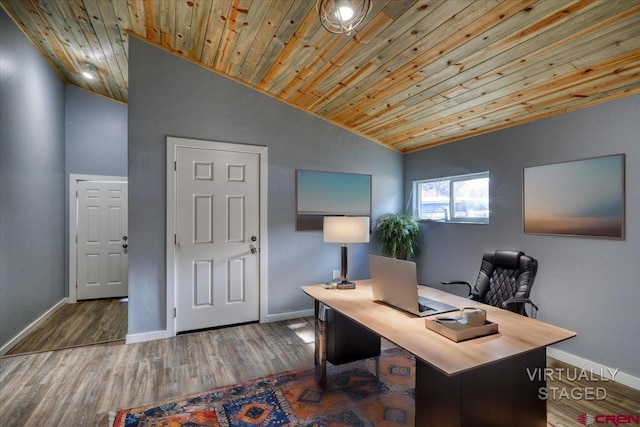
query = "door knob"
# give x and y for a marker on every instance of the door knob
(253, 249)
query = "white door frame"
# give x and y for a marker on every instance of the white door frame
(172, 145)
(73, 221)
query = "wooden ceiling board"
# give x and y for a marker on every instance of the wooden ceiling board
(488, 95)
(450, 65)
(546, 82)
(395, 73)
(310, 93)
(416, 74)
(285, 30)
(516, 104)
(375, 36)
(266, 33)
(167, 24)
(28, 19)
(566, 96)
(255, 16)
(298, 41)
(104, 24)
(137, 16)
(216, 22)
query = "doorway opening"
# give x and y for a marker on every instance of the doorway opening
(98, 241)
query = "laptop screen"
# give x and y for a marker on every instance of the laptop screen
(394, 281)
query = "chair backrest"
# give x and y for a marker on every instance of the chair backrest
(505, 274)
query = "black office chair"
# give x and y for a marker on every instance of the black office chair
(504, 281)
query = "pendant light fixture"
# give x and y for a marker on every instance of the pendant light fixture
(342, 16)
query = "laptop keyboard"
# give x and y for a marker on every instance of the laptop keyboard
(422, 307)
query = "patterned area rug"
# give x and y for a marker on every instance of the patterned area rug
(354, 398)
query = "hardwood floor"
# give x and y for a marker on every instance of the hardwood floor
(82, 323)
(82, 386)
(589, 395)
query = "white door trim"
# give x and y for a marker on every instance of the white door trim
(172, 144)
(73, 220)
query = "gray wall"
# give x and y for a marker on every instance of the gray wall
(31, 183)
(95, 141)
(95, 134)
(170, 96)
(584, 284)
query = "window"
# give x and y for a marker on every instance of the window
(462, 198)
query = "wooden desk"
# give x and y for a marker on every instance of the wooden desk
(481, 382)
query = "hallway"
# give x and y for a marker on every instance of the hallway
(73, 325)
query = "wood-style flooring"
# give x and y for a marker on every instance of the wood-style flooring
(82, 386)
(589, 395)
(72, 325)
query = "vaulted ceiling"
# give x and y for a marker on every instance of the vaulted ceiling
(414, 75)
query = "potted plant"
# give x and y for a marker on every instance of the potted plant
(398, 235)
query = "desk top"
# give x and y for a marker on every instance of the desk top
(517, 334)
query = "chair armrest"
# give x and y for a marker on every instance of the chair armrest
(458, 282)
(520, 300)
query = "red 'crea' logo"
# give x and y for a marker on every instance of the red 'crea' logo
(616, 420)
(586, 419)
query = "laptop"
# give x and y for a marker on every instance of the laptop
(395, 283)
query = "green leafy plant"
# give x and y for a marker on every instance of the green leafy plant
(398, 235)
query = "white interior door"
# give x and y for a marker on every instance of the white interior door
(217, 265)
(102, 260)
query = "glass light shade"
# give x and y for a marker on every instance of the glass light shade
(342, 16)
(346, 229)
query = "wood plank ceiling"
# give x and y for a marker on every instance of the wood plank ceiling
(415, 74)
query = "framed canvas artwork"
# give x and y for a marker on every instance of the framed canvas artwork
(577, 198)
(320, 194)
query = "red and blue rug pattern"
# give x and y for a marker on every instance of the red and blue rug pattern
(355, 397)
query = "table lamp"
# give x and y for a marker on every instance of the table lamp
(345, 230)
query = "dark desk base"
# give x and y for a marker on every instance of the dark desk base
(497, 395)
(341, 340)
(500, 394)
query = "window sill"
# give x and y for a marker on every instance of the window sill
(441, 221)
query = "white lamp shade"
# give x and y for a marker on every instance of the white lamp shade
(346, 229)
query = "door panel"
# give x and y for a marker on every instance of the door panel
(203, 280)
(217, 213)
(102, 222)
(235, 280)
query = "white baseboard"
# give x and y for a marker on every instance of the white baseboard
(15, 340)
(287, 316)
(145, 336)
(582, 363)
(158, 335)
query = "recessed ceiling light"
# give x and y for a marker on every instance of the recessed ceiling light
(89, 72)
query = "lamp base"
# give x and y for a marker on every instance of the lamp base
(345, 285)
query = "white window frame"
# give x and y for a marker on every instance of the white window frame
(452, 179)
